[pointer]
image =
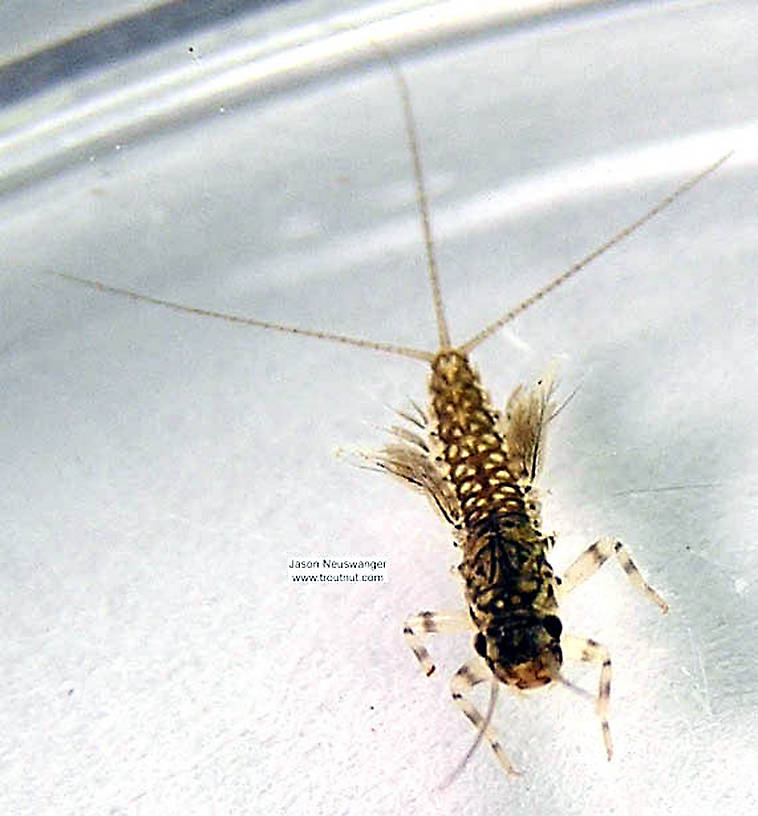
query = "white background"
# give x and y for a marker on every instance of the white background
(160, 470)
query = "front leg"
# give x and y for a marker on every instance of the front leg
(590, 651)
(470, 674)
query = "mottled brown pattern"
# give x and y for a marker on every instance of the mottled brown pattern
(477, 469)
(508, 581)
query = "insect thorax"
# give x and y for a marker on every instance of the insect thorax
(509, 582)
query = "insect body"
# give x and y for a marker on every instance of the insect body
(479, 468)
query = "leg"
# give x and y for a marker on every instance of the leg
(590, 651)
(428, 622)
(470, 674)
(590, 561)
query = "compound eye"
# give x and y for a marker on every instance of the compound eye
(480, 645)
(553, 626)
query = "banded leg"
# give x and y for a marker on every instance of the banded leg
(427, 623)
(590, 561)
(470, 674)
(590, 651)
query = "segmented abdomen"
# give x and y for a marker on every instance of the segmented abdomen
(471, 445)
(504, 564)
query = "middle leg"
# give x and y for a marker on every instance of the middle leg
(428, 623)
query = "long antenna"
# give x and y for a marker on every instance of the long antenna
(389, 348)
(443, 333)
(486, 332)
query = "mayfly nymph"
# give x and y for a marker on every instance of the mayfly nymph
(478, 467)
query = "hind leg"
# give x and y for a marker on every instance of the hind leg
(590, 561)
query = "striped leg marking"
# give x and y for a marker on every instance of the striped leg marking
(427, 623)
(590, 561)
(470, 674)
(590, 651)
